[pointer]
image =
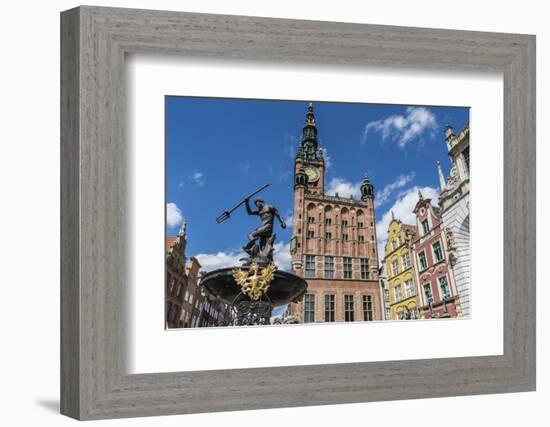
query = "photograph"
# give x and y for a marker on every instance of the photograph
(283, 212)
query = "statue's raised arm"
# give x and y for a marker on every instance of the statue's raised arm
(248, 210)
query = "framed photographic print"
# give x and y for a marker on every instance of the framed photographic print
(329, 212)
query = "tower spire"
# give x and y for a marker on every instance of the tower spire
(367, 189)
(442, 184)
(309, 144)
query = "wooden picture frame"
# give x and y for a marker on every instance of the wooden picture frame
(94, 41)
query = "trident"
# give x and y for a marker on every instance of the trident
(226, 214)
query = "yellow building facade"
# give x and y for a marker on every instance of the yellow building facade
(400, 271)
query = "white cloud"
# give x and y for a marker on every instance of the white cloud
(292, 142)
(281, 256)
(244, 167)
(328, 160)
(209, 262)
(289, 219)
(173, 215)
(198, 178)
(403, 210)
(383, 195)
(403, 128)
(344, 188)
(283, 176)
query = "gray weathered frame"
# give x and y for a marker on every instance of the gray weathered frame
(94, 42)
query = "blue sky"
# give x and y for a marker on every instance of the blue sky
(218, 150)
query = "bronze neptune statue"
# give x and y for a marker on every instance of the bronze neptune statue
(260, 241)
(254, 288)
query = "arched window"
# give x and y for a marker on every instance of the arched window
(345, 217)
(328, 215)
(360, 218)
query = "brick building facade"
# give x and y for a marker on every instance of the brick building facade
(334, 242)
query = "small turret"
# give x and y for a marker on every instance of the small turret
(449, 136)
(300, 179)
(367, 189)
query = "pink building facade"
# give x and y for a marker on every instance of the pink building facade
(437, 294)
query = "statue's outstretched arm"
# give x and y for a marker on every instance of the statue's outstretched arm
(280, 218)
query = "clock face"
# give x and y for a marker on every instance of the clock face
(312, 173)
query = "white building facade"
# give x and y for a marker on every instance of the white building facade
(455, 212)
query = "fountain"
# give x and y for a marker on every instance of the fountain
(257, 286)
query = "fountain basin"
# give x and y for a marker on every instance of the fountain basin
(283, 289)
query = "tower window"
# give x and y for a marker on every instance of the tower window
(328, 221)
(328, 235)
(345, 237)
(310, 265)
(310, 234)
(329, 267)
(361, 238)
(367, 307)
(347, 268)
(360, 225)
(348, 308)
(344, 223)
(329, 308)
(309, 308)
(364, 268)
(310, 220)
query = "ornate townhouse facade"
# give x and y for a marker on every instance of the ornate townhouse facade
(455, 211)
(401, 275)
(176, 279)
(436, 288)
(187, 305)
(334, 242)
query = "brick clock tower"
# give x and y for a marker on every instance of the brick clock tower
(333, 245)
